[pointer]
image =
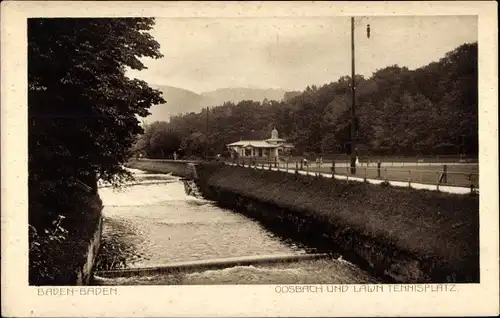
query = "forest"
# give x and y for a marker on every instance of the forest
(432, 110)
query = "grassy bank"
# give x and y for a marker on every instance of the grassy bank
(439, 231)
(158, 166)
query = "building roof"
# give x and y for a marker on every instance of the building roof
(254, 143)
(243, 142)
(273, 142)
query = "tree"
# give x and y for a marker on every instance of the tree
(82, 108)
(424, 111)
(82, 122)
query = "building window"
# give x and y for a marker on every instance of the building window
(248, 152)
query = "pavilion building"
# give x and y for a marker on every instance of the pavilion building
(271, 148)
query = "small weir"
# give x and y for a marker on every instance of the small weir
(160, 230)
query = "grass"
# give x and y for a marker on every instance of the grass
(178, 168)
(432, 225)
(457, 175)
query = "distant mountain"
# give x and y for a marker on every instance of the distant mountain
(181, 100)
(178, 100)
(219, 96)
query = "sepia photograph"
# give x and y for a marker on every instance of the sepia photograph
(339, 152)
(253, 151)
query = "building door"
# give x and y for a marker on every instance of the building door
(260, 152)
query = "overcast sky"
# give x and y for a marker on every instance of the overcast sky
(203, 54)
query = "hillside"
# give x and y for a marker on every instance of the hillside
(219, 96)
(430, 110)
(181, 100)
(178, 101)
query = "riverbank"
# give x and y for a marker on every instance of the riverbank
(177, 168)
(401, 234)
(64, 252)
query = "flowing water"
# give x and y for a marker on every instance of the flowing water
(153, 222)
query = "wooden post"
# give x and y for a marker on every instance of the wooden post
(353, 106)
(445, 174)
(409, 179)
(471, 184)
(378, 169)
(438, 181)
(365, 175)
(333, 167)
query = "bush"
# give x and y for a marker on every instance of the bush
(59, 237)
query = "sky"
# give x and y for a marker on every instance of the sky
(204, 54)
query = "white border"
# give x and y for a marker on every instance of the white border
(20, 300)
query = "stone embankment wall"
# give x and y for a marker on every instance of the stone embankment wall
(399, 234)
(84, 272)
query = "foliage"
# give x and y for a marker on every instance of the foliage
(82, 109)
(41, 243)
(430, 110)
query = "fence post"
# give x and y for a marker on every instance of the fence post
(333, 167)
(471, 184)
(262, 166)
(445, 174)
(307, 169)
(409, 179)
(286, 166)
(276, 162)
(438, 181)
(378, 168)
(385, 179)
(365, 175)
